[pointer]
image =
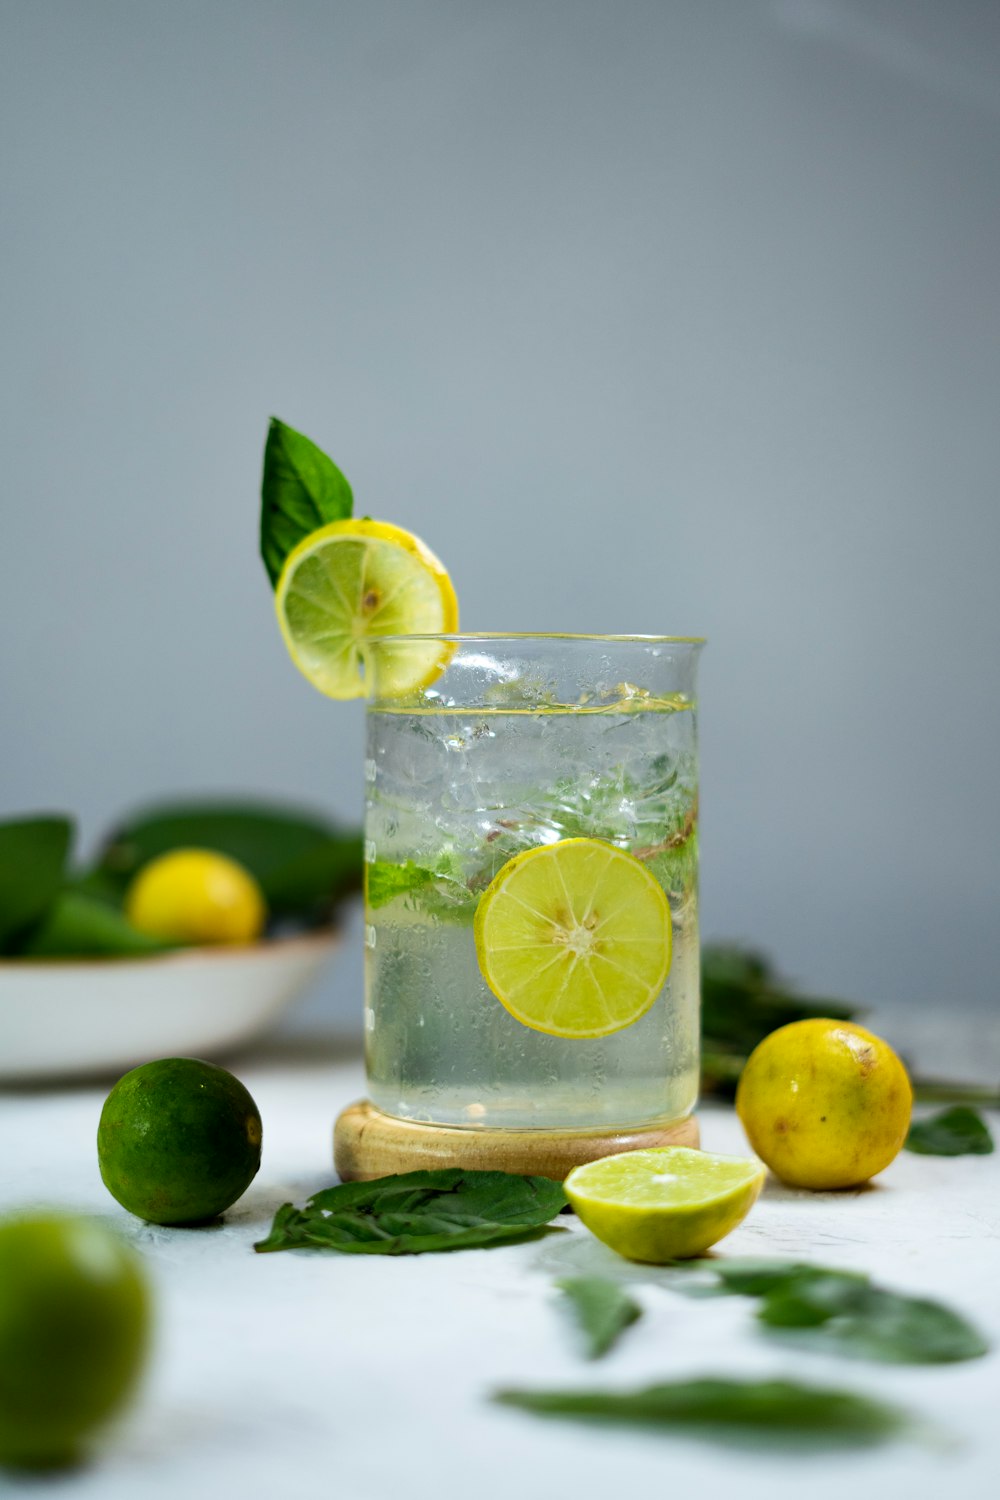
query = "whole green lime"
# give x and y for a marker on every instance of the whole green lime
(74, 1332)
(179, 1141)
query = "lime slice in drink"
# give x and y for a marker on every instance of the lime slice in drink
(666, 1203)
(574, 938)
(352, 581)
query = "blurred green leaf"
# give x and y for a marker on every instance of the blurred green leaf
(952, 1132)
(32, 860)
(316, 878)
(743, 1000)
(301, 490)
(842, 1312)
(601, 1308)
(778, 1407)
(303, 862)
(78, 926)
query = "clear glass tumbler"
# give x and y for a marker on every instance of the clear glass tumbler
(517, 742)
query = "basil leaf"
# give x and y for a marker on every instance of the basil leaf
(601, 1308)
(32, 858)
(778, 1407)
(298, 858)
(952, 1132)
(318, 877)
(870, 1322)
(750, 1277)
(743, 999)
(414, 1212)
(301, 490)
(843, 1312)
(81, 926)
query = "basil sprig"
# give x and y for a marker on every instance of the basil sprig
(413, 1212)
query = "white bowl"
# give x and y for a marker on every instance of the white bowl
(69, 1017)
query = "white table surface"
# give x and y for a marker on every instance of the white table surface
(361, 1378)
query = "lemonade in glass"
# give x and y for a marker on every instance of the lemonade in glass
(582, 746)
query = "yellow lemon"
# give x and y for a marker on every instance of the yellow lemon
(196, 896)
(351, 582)
(574, 938)
(824, 1103)
(665, 1203)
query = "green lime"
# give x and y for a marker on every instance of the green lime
(74, 1331)
(179, 1141)
(664, 1203)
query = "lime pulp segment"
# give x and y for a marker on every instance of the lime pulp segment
(352, 582)
(574, 938)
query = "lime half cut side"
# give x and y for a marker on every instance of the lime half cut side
(574, 938)
(665, 1203)
(348, 583)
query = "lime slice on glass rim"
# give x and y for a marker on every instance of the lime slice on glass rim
(664, 1203)
(351, 582)
(574, 938)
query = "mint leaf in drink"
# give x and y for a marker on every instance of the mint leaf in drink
(385, 881)
(779, 1408)
(414, 1212)
(952, 1132)
(601, 1308)
(842, 1312)
(32, 861)
(301, 490)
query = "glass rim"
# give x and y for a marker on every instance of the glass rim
(464, 637)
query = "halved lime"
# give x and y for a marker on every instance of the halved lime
(574, 938)
(352, 581)
(665, 1203)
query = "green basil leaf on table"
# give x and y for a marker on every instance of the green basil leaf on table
(32, 862)
(414, 1212)
(601, 1308)
(82, 926)
(953, 1132)
(781, 1408)
(842, 1312)
(301, 490)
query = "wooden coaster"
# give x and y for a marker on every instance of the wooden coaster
(367, 1144)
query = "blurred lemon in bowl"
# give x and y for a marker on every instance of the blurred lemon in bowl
(826, 1104)
(196, 896)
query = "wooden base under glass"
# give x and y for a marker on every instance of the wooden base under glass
(368, 1143)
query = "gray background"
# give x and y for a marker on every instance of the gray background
(668, 316)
